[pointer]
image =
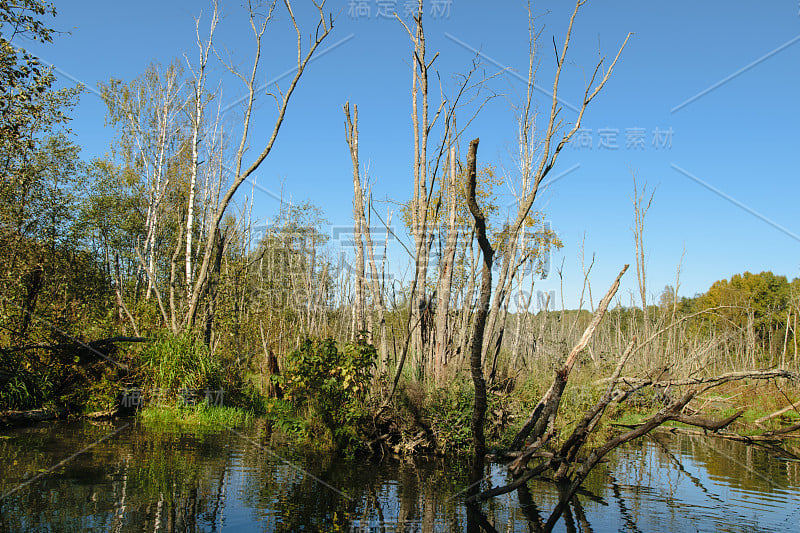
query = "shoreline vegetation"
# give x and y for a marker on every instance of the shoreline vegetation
(140, 283)
(308, 401)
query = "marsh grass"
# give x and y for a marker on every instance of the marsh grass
(175, 362)
(201, 415)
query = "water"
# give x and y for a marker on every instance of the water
(140, 479)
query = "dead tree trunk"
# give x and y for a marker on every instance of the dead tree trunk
(362, 230)
(360, 304)
(551, 147)
(476, 346)
(442, 334)
(544, 413)
(242, 172)
(212, 287)
(421, 200)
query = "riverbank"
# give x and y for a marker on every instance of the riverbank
(431, 420)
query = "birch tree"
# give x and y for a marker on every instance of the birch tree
(241, 171)
(147, 113)
(199, 101)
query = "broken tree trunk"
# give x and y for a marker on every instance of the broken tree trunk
(543, 415)
(442, 337)
(476, 346)
(27, 417)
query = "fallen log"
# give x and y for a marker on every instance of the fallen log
(103, 415)
(715, 380)
(783, 431)
(100, 347)
(763, 419)
(33, 415)
(747, 439)
(563, 466)
(75, 345)
(707, 423)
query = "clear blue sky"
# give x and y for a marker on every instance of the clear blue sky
(739, 138)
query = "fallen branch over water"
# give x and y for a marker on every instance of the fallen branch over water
(99, 343)
(777, 435)
(565, 467)
(544, 413)
(86, 351)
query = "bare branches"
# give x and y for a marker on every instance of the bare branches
(363, 236)
(548, 159)
(241, 175)
(570, 448)
(640, 210)
(548, 154)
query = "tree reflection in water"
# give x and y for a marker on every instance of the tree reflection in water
(163, 480)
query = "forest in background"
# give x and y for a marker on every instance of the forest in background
(143, 270)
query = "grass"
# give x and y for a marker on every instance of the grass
(198, 416)
(179, 362)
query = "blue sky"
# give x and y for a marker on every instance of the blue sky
(724, 163)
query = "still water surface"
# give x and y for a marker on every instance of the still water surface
(141, 479)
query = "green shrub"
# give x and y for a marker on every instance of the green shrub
(327, 390)
(451, 415)
(25, 390)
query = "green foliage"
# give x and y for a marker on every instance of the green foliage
(327, 389)
(757, 304)
(487, 183)
(62, 375)
(188, 416)
(763, 294)
(25, 390)
(21, 19)
(439, 418)
(174, 363)
(282, 414)
(50, 284)
(27, 96)
(451, 415)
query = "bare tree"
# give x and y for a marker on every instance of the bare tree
(640, 209)
(359, 221)
(282, 98)
(443, 333)
(423, 180)
(363, 231)
(554, 139)
(476, 345)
